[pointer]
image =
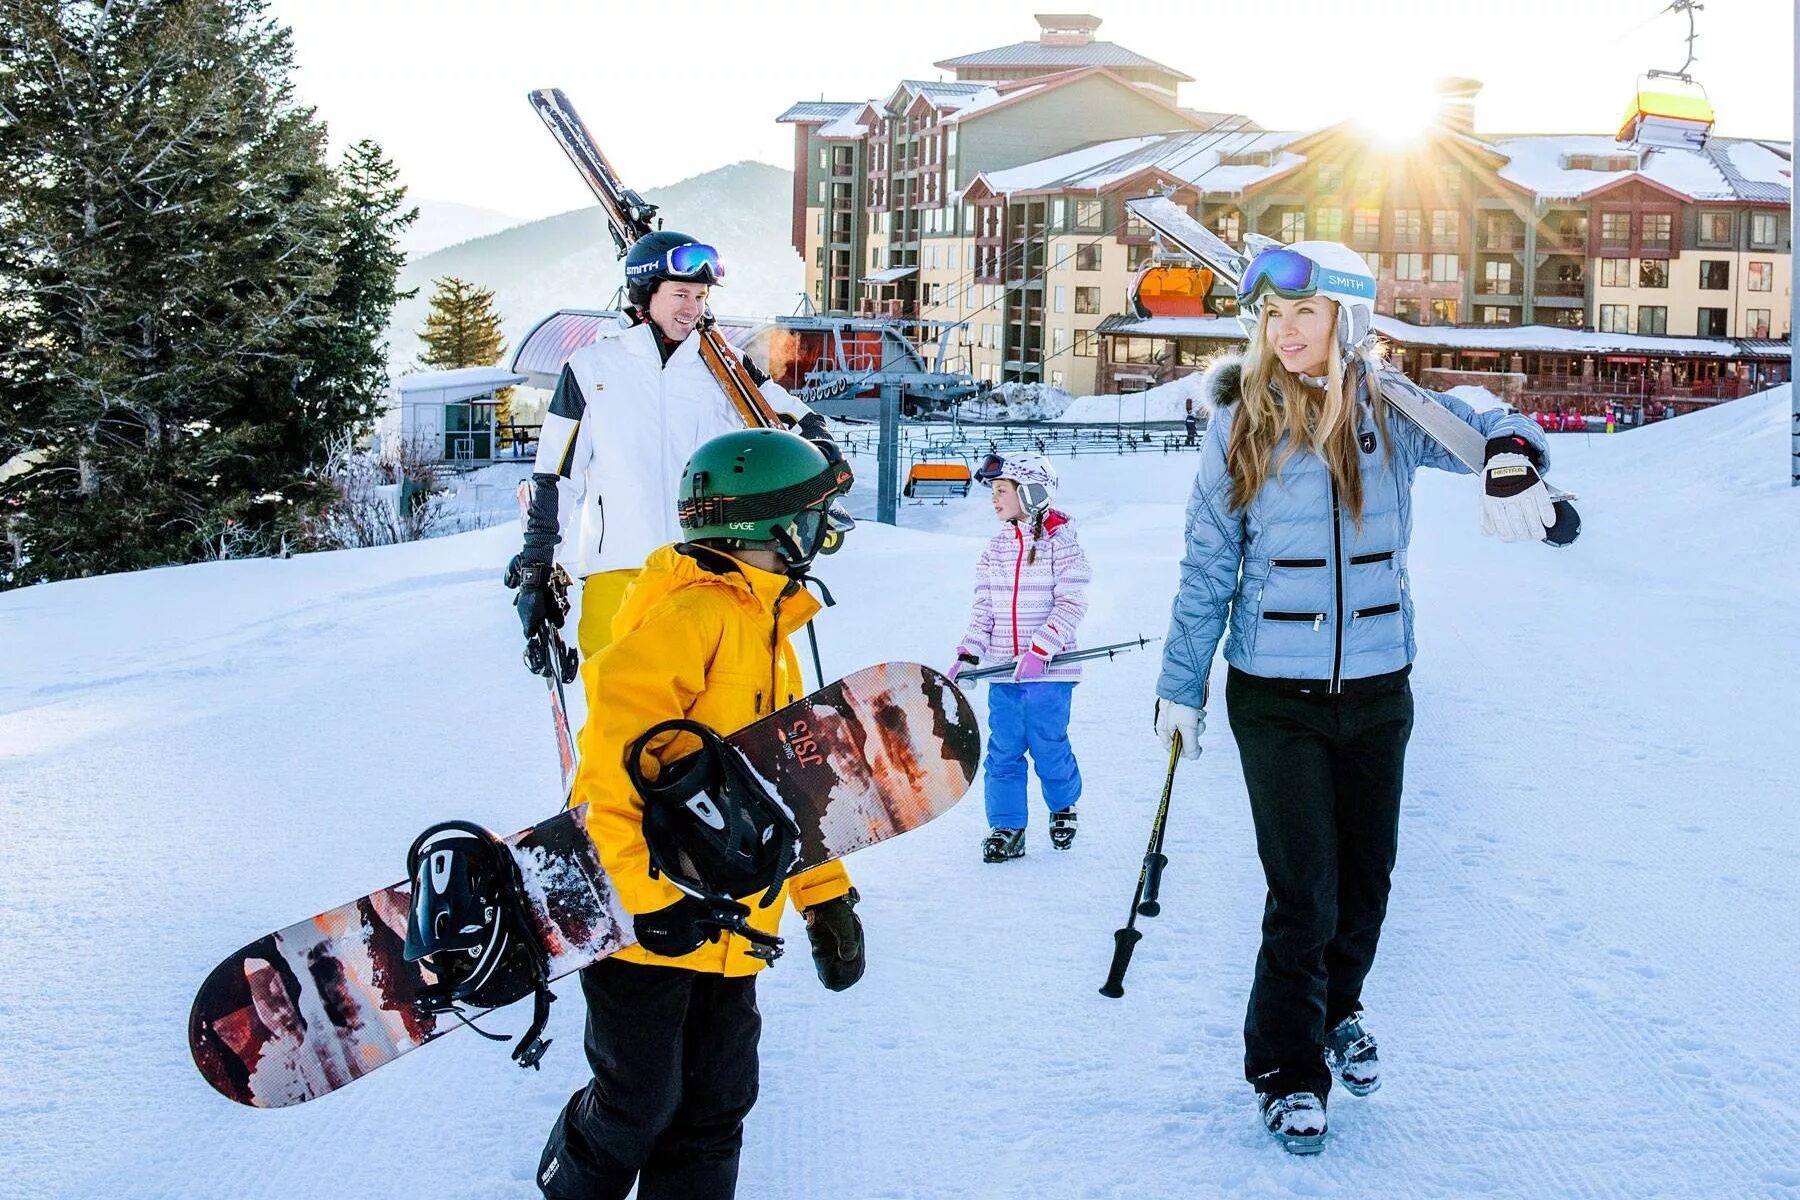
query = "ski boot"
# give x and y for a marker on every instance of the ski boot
(1296, 1120)
(1350, 1053)
(1002, 844)
(1062, 828)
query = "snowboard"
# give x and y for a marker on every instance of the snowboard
(308, 1009)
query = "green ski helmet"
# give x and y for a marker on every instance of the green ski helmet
(757, 489)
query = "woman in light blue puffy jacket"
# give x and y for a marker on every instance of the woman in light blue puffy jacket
(1297, 535)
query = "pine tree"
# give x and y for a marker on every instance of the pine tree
(463, 330)
(172, 249)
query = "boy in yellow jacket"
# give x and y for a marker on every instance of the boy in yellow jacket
(702, 635)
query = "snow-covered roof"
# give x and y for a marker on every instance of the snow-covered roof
(809, 112)
(1724, 169)
(990, 96)
(1038, 54)
(467, 380)
(1194, 157)
(943, 91)
(850, 125)
(1549, 339)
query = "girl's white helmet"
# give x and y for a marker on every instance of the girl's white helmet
(1032, 474)
(1303, 269)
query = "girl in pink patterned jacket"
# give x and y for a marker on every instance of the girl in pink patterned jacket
(1029, 598)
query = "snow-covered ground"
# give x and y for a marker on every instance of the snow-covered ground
(1586, 987)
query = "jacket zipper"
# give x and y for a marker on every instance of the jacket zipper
(1018, 565)
(775, 647)
(1315, 619)
(1380, 610)
(1337, 572)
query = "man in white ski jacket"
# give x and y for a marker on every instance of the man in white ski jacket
(629, 410)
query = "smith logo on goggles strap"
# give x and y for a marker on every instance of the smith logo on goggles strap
(1292, 275)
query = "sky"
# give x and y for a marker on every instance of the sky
(678, 88)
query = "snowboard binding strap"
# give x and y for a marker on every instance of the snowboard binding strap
(470, 921)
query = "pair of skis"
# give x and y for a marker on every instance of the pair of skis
(1460, 440)
(629, 217)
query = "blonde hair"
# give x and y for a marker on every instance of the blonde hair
(1322, 420)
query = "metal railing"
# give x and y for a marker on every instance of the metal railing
(971, 442)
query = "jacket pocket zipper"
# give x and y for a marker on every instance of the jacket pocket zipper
(1297, 562)
(1357, 560)
(1315, 619)
(1380, 610)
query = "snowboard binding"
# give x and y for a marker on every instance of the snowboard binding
(714, 831)
(469, 922)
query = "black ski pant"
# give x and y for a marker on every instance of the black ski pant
(1324, 775)
(675, 1073)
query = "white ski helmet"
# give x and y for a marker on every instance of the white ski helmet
(1329, 269)
(1032, 474)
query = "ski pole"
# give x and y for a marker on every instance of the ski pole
(1144, 901)
(1007, 668)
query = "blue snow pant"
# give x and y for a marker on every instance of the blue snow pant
(1034, 718)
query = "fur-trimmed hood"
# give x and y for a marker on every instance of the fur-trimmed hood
(1220, 381)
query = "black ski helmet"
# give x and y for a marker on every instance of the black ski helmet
(647, 264)
(711, 826)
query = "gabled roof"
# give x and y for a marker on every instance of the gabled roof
(1190, 157)
(1011, 91)
(815, 112)
(854, 124)
(1037, 54)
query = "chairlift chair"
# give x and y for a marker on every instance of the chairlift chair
(937, 474)
(1668, 112)
(1170, 289)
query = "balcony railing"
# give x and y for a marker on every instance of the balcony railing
(1497, 287)
(1514, 240)
(1559, 287)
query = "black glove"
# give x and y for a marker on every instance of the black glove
(837, 941)
(686, 925)
(537, 601)
(813, 429)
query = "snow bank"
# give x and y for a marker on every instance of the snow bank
(1170, 401)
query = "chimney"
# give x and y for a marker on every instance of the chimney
(1066, 29)
(1456, 104)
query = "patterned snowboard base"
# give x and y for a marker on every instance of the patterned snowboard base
(307, 1009)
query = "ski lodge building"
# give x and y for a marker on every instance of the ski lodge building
(989, 208)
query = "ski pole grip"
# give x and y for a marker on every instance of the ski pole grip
(1124, 941)
(1567, 527)
(1154, 863)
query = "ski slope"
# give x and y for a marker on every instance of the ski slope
(1586, 987)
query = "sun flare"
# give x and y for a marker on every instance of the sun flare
(1399, 110)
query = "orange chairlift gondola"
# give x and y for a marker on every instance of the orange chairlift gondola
(1170, 285)
(1670, 108)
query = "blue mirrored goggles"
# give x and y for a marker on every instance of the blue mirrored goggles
(695, 260)
(989, 470)
(1280, 270)
(1293, 275)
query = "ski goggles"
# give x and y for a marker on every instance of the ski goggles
(812, 530)
(690, 261)
(1292, 275)
(990, 469)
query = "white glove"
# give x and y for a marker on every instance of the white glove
(1515, 504)
(1173, 718)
